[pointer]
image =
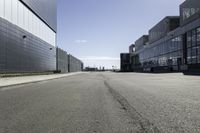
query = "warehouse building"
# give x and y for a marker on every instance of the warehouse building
(67, 63)
(125, 62)
(172, 45)
(27, 35)
(28, 38)
(62, 61)
(74, 64)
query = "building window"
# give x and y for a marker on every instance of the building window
(198, 36)
(193, 38)
(198, 59)
(189, 39)
(189, 55)
(194, 55)
(198, 50)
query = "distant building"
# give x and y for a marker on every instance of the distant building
(62, 61)
(172, 45)
(74, 64)
(67, 63)
(91, 69)
(132, 48)
(125, 62)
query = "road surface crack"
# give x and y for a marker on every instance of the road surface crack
(145, 125)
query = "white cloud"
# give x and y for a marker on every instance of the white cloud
(80, 41)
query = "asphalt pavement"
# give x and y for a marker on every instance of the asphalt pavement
(103, 103)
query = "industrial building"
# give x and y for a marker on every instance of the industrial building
(125, 62)
(28, 37)
(67, 63)
(74, 64)
(172, 45)
(62, 61)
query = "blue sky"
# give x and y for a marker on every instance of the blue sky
(97, 31)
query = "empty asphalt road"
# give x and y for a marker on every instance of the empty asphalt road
(103, 103)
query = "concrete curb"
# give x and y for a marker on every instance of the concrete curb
(18, 84)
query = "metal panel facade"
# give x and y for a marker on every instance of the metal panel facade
(45, 9)
(141, 42)
(62, 61)
(189, 11)
(21, 51)
(75, 64)
(163, 27)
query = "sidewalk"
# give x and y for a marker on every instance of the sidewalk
(11, 81)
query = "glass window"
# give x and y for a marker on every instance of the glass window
(198, 50)
(180, 43)
(194, 51)
(189, 39)
(164, 47)
(174, 61)
(189, 56)
(8, 9)
(2, 8)
(194, 60)
(194, 38)
(198, 30)
(14, 12)
(177, 43)
(171, 46)
(198, 36)
(194, 55)
(198, 59)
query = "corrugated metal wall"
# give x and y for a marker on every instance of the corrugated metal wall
(75, 64)
(62, 61)
(67, 63)
(19, 54)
